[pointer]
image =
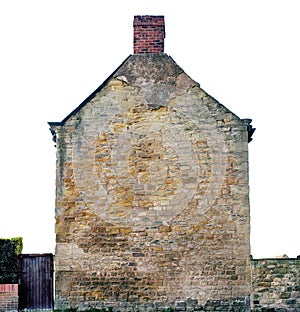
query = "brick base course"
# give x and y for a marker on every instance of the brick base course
(8, 297)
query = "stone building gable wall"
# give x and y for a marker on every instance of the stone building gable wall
(152, 193)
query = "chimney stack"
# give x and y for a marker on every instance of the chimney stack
(148, 34)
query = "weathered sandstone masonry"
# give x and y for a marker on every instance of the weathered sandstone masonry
(276, 284)
(152, 194)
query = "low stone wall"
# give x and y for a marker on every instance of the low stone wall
(8, 297)
(276, 285)
(233, 305)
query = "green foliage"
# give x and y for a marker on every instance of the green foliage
(9, 251)
(170, 309)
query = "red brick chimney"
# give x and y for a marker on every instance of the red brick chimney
(148, 34)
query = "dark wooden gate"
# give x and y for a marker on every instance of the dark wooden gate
(36, 282)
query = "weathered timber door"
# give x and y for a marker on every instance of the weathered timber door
(36, 282)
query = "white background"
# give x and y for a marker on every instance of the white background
(53, 54)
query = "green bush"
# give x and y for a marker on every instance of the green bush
(9, 251)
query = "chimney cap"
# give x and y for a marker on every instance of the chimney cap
(149, 19)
